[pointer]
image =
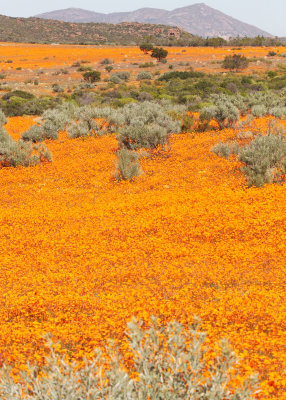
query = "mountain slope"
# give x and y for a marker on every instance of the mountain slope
(37, 30)
(198, 19)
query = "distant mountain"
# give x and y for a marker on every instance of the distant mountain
(37, 30)
(198, 19)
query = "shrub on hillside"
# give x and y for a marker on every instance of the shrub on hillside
(168, 362)
(259, 110)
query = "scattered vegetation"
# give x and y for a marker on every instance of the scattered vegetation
(168, 362)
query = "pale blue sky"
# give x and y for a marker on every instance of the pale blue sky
(265, 14)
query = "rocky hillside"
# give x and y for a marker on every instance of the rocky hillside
(198, 19)
(37, 30)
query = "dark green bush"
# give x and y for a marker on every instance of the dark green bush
(235, 62)
(18, 93)
(167, 76)
(91, 76)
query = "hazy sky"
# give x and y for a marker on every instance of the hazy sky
(265, 14)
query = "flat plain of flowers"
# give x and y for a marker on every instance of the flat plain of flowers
(81, 253)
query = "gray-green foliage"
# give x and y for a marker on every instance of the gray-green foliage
(118, 77)
(224, 150)
(3, 119)
(143, 76)
(278, 112)
(224, 112)
(221, 149)
(127, 166)
(52, 122)
(145, 124)
(267, 103)
(240, 102)
(264, 159)
(87, 121)
(15, 153)
(169, 363)
(258, 110)
(33, 134)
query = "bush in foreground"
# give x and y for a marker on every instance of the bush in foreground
(169, 363)
(18, 153)
(127, 166)
(145, 125)
(264, 159)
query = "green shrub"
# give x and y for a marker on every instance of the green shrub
(278, 112)
(145, 124)
(3, 119)
(57, 88)
(34, 134)
(91, 76)
(143, 76)
(258, 110)
(80, 129)
(146, 65)
(123, 75)
(169, 362)
(224, 112)
(264, 159)
(187, 123)
(115, 79)
(235, 62)
(127, 166)
(109, 68)
(53, 121)
(106, 61)
(18, 93)
(221, 149)
(18, 153)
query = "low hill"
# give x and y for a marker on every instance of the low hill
(198, 19)
(37, 30)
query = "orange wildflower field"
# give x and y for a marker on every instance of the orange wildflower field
(81, 253)
(23, 63)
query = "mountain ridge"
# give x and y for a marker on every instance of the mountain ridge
(197, 19)
(37, 30)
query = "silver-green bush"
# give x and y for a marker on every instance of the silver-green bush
(169, 363)
(15, 153)
(127, 166)
(221, 149)
(264, 159)
(224, 112)
(147, 125)
(258, 110)
(143, 76)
